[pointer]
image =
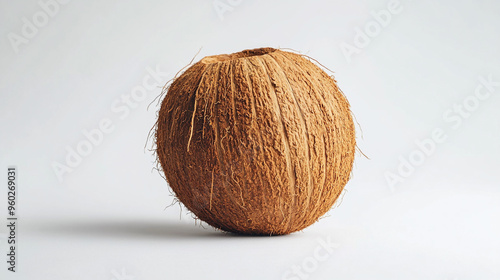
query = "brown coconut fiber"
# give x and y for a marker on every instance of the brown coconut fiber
(257, 142)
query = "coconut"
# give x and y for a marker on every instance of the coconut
(257, 142)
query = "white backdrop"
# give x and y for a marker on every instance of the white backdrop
(423, 80)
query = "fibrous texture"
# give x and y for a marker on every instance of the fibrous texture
(256, 142)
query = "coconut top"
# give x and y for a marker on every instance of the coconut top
(237, 55)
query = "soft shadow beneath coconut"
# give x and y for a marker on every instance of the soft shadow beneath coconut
(136, 229)
(126, 229)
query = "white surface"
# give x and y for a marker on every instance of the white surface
(107, 218)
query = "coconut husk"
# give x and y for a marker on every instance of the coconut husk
(256, 142)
